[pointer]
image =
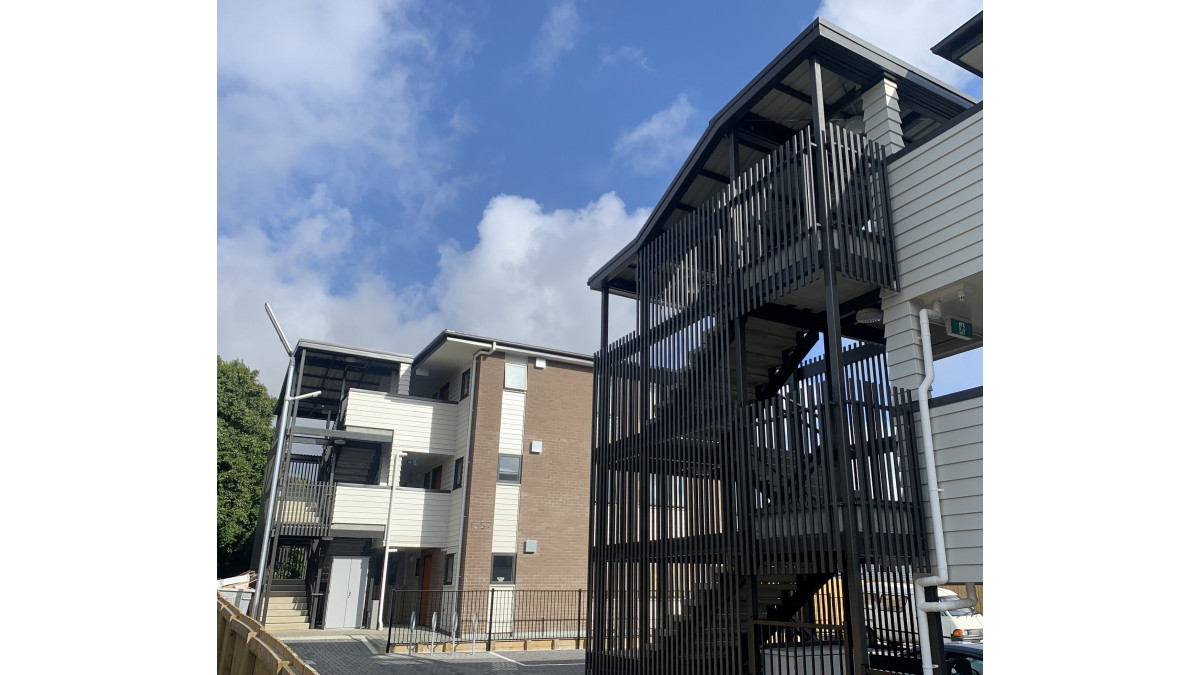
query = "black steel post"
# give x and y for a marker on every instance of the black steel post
(491, 614)
(937, 655)
(852, 605)
(604, 317)
(578, 614)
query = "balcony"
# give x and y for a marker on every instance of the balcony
(419, 517)
(417, 424)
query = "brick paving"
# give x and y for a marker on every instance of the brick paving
(359, 654)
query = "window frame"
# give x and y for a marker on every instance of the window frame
(448, 577)
(509, 381)
(499, 469)
(464, 387)
(492, 576)
(458, 473)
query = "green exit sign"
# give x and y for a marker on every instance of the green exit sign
(959, 328)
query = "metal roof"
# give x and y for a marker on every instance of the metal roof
(964, 47)
(331, 368)
(486, 343)
(775, 105)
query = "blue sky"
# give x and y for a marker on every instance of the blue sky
(388, 169)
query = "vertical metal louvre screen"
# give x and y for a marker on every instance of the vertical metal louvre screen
(714, 516)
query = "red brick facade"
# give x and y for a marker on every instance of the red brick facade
(554, 484)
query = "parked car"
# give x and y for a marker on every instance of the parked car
(962, 658)
(888, 606)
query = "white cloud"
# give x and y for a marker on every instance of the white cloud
(326, 48)
(631, 55)
(330, 89)
(906, 28)
(525, 280)
(557, 36)
(660, 142)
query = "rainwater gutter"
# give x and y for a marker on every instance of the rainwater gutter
(935, 505)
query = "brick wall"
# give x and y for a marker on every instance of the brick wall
(554, 485)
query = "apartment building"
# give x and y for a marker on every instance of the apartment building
(752, 491)
(464, 467)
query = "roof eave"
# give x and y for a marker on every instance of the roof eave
(817, 37)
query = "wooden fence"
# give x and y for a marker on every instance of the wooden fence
(961, 589)
(244, 647)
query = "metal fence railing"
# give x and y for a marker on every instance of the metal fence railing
(440, 618)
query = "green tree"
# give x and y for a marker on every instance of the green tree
(244, 438)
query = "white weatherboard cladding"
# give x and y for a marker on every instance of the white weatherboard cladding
(454, 524)
(504, 520)
(463, 428)
(937, 207)
(502, 615)
(512, 422)
(417, 424)
(418, 516)
(958, 449)
(405, 379)
(881, 116)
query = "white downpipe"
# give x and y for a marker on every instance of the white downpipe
(387, 530)
(935, 507)
(462, 511)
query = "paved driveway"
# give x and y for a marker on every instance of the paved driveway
(360, 655)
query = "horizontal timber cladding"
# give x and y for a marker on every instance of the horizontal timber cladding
(937, 202)
(711, 513)
(418, 516)
(417, 424)
(504, 520)
(512, 422)
(958, 451)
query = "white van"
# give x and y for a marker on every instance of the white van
(888, 604)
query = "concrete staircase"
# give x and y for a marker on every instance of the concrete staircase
(287, 605)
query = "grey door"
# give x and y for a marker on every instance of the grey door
(347, 593)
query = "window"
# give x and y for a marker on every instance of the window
(449, 580)
(465, 387)
(504, 568)
(458, 473)
(514, 376)
(510, 469)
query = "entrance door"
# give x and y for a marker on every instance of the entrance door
(347, 593)
(426, 572)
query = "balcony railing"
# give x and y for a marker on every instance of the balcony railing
(761, 238)
(305, 508)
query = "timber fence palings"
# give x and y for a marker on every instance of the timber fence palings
(245, 647)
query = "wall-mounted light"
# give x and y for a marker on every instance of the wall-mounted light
(868, 315)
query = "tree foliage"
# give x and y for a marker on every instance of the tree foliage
(244, 437)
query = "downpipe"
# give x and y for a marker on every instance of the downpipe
(396, 462)
(935, 506)
(462, 528)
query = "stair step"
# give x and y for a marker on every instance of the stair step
(288, 626)
(281, 613)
